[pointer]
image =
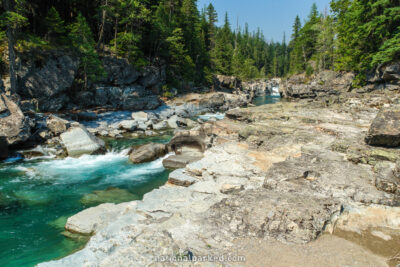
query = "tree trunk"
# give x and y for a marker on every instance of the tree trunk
(115, 35)
(103, 21)
(9, 5)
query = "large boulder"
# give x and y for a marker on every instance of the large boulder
(78, 141)
(188, 141)
(13, 123)
(385, 128)
(3, 147)
(148, 152)
(47, 79)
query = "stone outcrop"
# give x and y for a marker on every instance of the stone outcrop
(323, 84)
(13, 123)
(147, 153)
(47, 79)
(78, 141)
(385, 129)
(119, 71)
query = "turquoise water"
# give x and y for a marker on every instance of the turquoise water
(267, 99)
(37, 196)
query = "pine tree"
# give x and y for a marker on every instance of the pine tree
(223, 51)
(55, 26)
(82, 39)
(181, 64)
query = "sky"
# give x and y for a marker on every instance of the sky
(273, 17)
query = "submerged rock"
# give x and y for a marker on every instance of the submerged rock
(91, 220)
(110, 195)
(79, 141)
(385, 129)
(148, 152)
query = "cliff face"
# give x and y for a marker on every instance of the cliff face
(47, 82)
(330, 83)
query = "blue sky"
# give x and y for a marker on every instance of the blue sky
(272, 16)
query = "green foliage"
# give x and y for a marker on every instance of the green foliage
(81, 38)
(55, 25)
(181, 65)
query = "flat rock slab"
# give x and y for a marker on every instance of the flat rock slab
(180, 178)
(179, 161)
(89, 221)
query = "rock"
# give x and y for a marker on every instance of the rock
(231, 188)
(148, 152)
(119, 71)
(31, 105)
(162, 125)
(79, 141)
(385, 129)
(129, 125)
(48, 80)
(3, 147)
(374, 227)
(179, 161)
(13, 123)
(110, 195)
(323, 84)
(180, 178)
(152, 76)
(57, 125)
(173, 122)
(226, 83)
(189, 141)
(140, 116)
(89, 221)
(86, 116)
(141, 103)
(84, 99)
(101, 96)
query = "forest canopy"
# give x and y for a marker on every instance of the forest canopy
(355, 35)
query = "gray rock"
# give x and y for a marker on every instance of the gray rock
(129, 125)
(140, 116)
(231, 188)
(49, 80)
(162, 125)
(101, 96)
(148, 152)
(385, 129)
(180, 178)
(79, 141)
(152, 76)
(180, 161)
(84, 99)
(89, 221)
(119, 71)
(57, 125)
(13, 123)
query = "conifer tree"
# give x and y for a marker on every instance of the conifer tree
(82, 39)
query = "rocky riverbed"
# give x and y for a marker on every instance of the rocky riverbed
(298, 176)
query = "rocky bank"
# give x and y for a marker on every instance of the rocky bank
(294, 179)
